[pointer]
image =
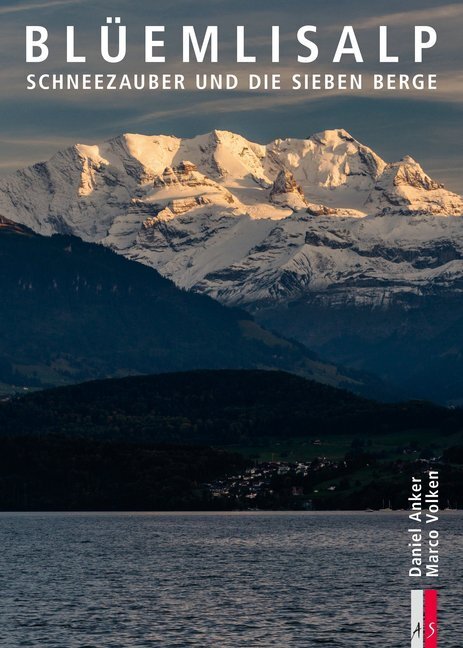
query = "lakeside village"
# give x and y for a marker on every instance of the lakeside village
(359, 481)
(269, 482)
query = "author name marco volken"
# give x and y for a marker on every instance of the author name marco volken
(423, 535)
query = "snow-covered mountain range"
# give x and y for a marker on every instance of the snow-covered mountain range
(248, 223)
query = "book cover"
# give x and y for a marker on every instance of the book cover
(231, 357)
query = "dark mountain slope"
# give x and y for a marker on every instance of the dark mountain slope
(416, 343)
(72, 311)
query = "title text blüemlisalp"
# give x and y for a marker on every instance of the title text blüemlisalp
(203, 45)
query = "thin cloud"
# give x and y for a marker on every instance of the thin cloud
(241, 104)
(51, 141)
(419, 16)
(32, 6)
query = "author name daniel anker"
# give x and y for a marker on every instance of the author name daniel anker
(423, 533)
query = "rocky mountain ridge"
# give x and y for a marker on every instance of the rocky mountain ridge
(248, 223)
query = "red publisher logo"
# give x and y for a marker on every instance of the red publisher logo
(430, 618)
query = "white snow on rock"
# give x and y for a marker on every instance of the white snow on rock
(245, 222)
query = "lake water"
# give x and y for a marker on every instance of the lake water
(224, 580)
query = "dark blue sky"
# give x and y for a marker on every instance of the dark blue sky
(428, 126)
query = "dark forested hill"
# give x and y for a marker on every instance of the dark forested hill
(72, 311)
(213, 407)
(67, 474)
(139, 443)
